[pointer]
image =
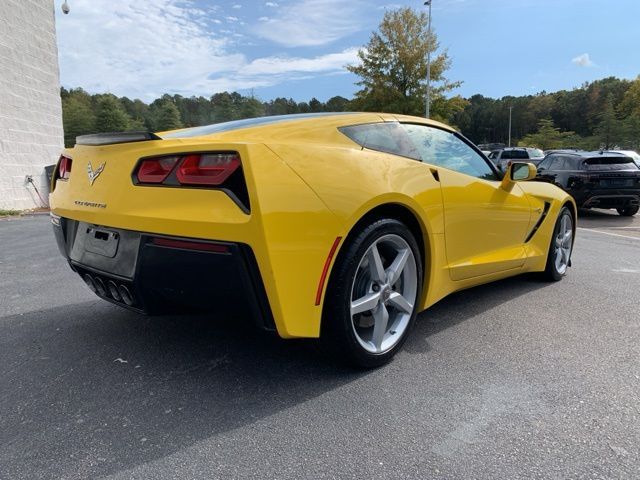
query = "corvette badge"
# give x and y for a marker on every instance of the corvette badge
(93, 174)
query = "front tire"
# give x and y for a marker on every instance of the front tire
(628, 211)
(561, 247)
(371, 300)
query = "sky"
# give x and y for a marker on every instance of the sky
(299, 48)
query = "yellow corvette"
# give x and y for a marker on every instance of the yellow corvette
(338, 226)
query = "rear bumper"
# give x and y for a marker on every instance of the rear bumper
(608, 199)
(157, 274)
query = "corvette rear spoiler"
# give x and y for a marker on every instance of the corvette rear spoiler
(115, 137)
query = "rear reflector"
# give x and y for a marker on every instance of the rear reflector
(207, 168)
(190, 245)
(64, 167)
(325, 270)
(156, 170)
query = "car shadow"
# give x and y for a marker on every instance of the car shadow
(603, 218)
(466, 304)
(90, 389)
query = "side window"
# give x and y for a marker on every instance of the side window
(445, 149)
(388, 137)
(546, 162)
(557, 163)
(520, 155)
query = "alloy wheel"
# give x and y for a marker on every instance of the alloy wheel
(383, 293)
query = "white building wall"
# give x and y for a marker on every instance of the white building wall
(31, 134)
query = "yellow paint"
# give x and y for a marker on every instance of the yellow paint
(308, 184)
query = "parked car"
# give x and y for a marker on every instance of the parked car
(338, 226)
(595, 179)
(520, 154)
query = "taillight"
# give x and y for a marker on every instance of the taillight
(64, 167)
(213, 170)
(156, 170)
(207, 168)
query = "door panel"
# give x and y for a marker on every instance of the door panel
(485, 225)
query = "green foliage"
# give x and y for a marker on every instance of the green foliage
(393, 67)
(168, 117)
(110, 115)
(548, 136)
(608, 129)
(78, 117)
(8, 213)
(604, 113)
(601, 114)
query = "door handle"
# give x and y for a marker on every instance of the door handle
(435, 174)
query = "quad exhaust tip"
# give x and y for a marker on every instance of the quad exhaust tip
(118, 292)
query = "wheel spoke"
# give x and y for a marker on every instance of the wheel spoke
(563, 227)
(558, 241)
(366, 303)
(375, 264)
(558, 259)
(395, 270)
(401, 303)
(381, 317)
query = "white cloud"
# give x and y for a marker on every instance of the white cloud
(583, 60)
(312, 22)
(271, 4)
(284, 65)
(237, 6)
(167, 46)
(263, 19)
(232, 19)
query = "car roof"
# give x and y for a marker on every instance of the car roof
(308, 120)
(596, 153)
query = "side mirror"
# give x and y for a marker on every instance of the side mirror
(518, 172)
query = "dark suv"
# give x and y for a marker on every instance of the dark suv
(595, 179)
(518, 154)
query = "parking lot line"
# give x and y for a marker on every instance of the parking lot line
(608, 233)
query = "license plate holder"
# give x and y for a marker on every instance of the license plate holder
(102, 242)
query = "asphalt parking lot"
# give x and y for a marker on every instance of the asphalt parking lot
(517, 379)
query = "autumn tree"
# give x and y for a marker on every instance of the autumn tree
(393, 67)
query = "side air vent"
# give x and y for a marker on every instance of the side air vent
(545, 211)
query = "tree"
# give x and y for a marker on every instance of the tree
(609, 128)
(630, 132)
(547, 137)
(77, 119)
(251, 107)
(337, 104)
(393, 66)
(110, 115)
(168, 117)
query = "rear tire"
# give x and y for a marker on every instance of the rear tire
(371, 301)
(561, 247)
(628, 211)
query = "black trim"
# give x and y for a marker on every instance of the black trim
(545, 211)
(113, 138)
(166, 279)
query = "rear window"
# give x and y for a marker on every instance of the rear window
(535, 153)
(610, 163)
